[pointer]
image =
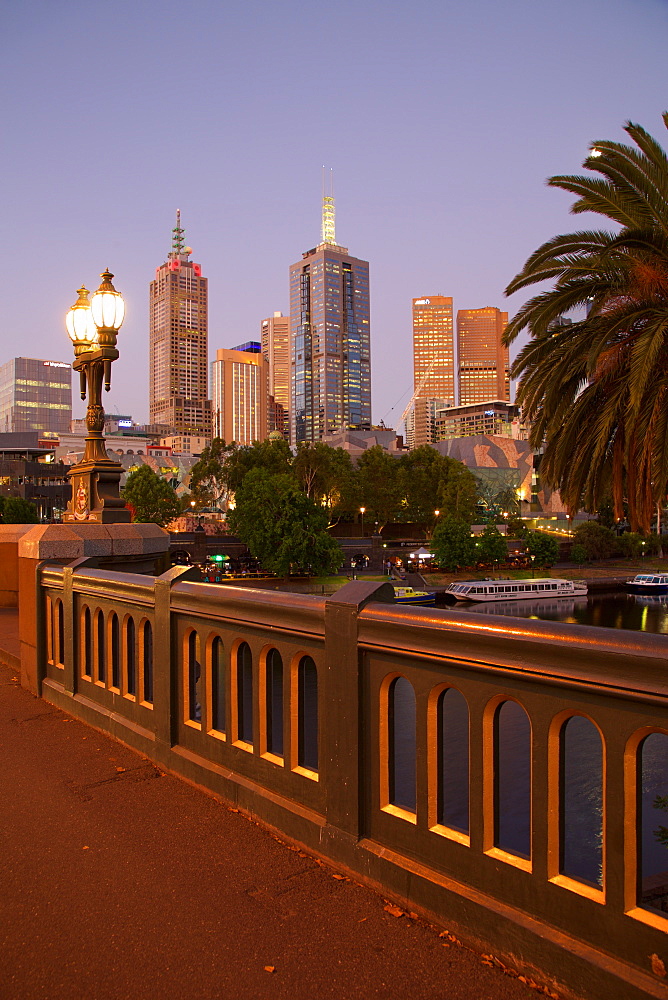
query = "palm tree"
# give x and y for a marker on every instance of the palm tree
(596, 390)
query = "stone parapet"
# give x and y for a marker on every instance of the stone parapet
(62, 542)
(10, 535)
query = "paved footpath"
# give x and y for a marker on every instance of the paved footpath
(120, 882)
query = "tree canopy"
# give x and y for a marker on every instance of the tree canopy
(452, 544)
(282, 526)
(491, 545)
(411, 487)
(544, 547)
(16, 510)
(150, 497)
(595, 389)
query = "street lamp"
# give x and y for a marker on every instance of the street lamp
(362, 509)
(93, 327)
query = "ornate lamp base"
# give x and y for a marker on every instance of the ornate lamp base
(95, 494)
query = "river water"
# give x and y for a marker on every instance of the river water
(608, 610)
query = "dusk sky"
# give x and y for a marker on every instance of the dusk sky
(441, 122)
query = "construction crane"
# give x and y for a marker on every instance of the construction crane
(418, 390)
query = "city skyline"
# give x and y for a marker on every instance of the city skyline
(457, 207)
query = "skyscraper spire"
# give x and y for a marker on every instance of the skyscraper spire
(328, 210)
(177, 236)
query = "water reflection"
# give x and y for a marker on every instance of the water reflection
(617, 609)
(653, 847)
(581, 787)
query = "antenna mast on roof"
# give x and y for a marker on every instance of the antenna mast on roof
(177, 237)
(328, 210)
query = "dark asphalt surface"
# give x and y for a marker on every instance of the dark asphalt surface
(118, 882)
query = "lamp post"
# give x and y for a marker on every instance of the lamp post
(362, 509)
(93, 327)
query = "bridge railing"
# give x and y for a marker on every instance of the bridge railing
(500, 774)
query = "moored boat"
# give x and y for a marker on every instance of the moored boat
(648, 583)
(515, 590)
(406, 595)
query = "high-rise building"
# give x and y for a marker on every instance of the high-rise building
(433, 367)
(275, 337)
(178, 345)
(330, 366)
(239, 389)
(35, 395)
(482, 358)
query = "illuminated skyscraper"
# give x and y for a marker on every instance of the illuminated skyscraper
(35, 395)
(239, 395)
(178, 363)
(433, 367)
(330, 366)
(275, 336)
(482, 358)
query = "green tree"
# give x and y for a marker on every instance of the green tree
(492, 546)
(598, 541)
(594, 390)
(430, 481)
(281, 526)
(377, 479)
(630, 544)
(151, 497)
(544, 547)
(452, 544)
(16, 510)
(326, 475)
(458, 492)
(578, 554)
(274, 456)
(208, 476)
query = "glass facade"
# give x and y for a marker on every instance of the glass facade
(35, 395)
(483, 360)
(329, 344)
(433, 366)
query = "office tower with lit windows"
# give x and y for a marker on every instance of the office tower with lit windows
(178, 362)
(482, 358)
(433, 367)
(275, 338)
(239, 391)
(330, 365)
(35, 395)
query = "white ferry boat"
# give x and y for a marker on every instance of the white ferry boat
(648, 583)
(515, 590)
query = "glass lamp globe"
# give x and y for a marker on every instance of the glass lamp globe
(107, 305)
(79, 322)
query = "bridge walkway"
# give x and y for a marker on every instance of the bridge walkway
(121, 882)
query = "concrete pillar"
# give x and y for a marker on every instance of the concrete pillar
(341, 699)
(10, 535)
